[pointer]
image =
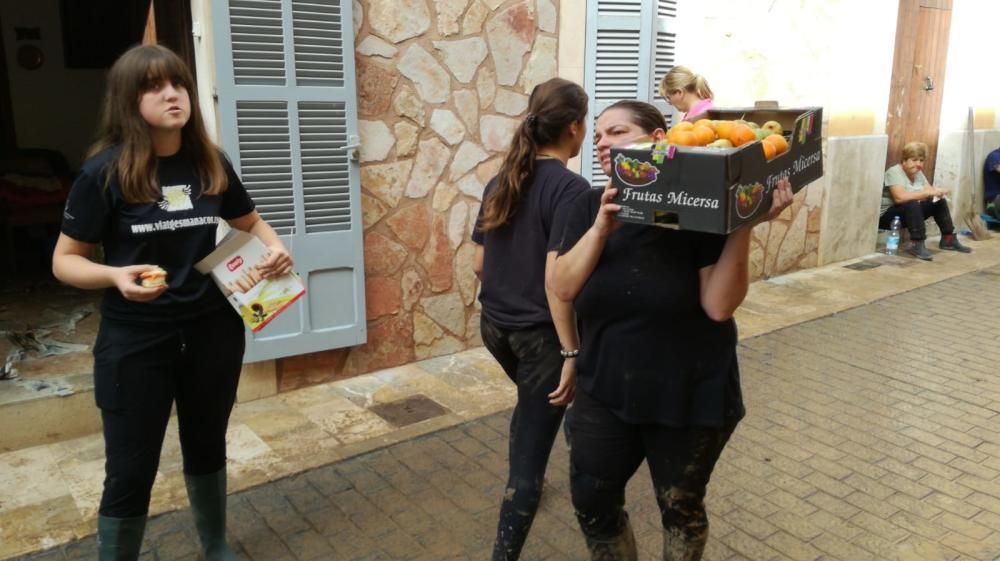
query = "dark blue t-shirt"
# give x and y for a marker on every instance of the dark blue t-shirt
(991, 177)
(174, 233)
(648, 351)
(512, 292)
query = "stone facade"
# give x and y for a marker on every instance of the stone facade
(441, 86)
(791, 241)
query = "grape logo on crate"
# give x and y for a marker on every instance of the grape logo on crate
(748, 199)
(635, 173)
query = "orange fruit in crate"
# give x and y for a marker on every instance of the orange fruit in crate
(684, 138)
(742, 134)
(703, 134)
(724, 128)
(779, 142)
(705, 123)
(769, 150)
(681, 126)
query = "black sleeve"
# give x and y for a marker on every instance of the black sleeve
(478, 236)
(236, 202)
(85, 217)
(573, 219)
(708, 248)
(558, 199)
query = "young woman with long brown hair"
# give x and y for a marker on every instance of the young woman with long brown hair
(152, 193)
(530, 332)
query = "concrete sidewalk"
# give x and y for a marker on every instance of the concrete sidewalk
(872, 434)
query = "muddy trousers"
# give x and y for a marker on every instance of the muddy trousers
(604, 454)
(140, 372)
(531, 359)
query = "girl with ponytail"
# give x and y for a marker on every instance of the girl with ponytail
(530, 332)
(687, 92)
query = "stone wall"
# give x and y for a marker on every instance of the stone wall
(791, 241)
(441, 87)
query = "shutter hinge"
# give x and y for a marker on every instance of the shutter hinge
(353, 143)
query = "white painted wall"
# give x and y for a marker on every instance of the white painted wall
(970, 81)
(204, 56)
(54, 107)
(832, 53)
(971, 77)
(572, 48)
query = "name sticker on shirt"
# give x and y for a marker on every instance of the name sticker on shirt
(176, 197)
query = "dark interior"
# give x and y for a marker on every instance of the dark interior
(35, 177)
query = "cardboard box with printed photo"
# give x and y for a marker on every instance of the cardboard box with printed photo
(711, 189)
(233, 266)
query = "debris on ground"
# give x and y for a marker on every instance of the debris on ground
(8, 371)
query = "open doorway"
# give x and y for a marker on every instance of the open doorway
(54, 57)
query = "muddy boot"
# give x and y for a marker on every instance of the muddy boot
(119, 539)
(678, 547)
(618, 548)
(919, 250)
(949, 242)
(207, 494)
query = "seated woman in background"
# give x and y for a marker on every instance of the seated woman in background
(991, 184)
(907, 193)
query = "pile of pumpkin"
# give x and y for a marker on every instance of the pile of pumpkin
(730, 134)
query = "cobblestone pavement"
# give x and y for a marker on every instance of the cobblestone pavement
(872, 434)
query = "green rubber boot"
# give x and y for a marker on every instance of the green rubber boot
(119, 539)
(207, 494)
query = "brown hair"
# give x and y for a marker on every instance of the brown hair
(136, 72)
(644, 115)
(552, 107)
(914, 150)
(680, 78)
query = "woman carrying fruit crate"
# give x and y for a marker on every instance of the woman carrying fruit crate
(687, 92)
(530, 332)
(152, 194)
(658, 378)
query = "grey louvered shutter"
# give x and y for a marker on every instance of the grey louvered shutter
(288, 121)
(664, 48)
(629, 46)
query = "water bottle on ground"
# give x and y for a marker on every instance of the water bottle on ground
(892, 242)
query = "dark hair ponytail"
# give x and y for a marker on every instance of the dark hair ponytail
(552, 107)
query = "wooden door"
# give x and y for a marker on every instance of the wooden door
(8, 138)
(918, 78)
(170, 24)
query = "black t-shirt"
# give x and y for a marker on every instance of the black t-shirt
(513, 277)
(648, 351)
(174, 233)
